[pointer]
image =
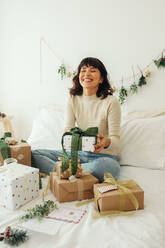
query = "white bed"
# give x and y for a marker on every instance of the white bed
(144, 229)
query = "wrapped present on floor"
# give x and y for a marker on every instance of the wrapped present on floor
(20, 151)
(19, 184)
(71, 166)
(79, 189)
(118, 196)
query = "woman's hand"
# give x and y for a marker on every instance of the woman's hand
(102, 142)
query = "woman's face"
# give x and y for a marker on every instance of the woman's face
(90, 77)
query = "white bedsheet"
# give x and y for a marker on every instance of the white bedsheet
(145, 229)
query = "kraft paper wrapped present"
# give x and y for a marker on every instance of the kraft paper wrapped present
(19, 184)
(87, 143)
(67, 173)
(21, 152)
(66, 191)
(116, 199)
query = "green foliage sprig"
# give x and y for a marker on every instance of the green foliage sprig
(122, 94)
(62, 71)
(142, 81)
(160, 62)
(133, 88)
(39, 211)
(16, 237)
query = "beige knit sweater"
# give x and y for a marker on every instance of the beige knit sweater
(91, 111)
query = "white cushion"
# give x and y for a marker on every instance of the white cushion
(143, 143)
(47, 128)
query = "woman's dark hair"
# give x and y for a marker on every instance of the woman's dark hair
(104, 88)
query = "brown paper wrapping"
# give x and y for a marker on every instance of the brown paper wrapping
(65, 190)
(21, 152)
(66, 174)
(111, 200)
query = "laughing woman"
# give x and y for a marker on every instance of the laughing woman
(91, 103)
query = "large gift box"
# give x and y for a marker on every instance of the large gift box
(21, 152)
(118, 199)
(18, 185)
(87, 143)
(65, 190)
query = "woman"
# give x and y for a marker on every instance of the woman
(91, 104)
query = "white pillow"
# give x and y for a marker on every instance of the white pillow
(47, 128)
(143, 143)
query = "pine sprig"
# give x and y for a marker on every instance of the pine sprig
(16, 237)
(39, 211)
(122, 94)
(62, 71)
(142, 81)
(160, 62)
(133, 88)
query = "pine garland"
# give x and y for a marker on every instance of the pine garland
(16, 237)
(39, 211)
(123, 92)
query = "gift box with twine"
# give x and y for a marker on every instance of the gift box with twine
(128, 196)
(20, 151)
(66, 191)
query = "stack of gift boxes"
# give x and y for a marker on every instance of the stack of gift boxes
(110, 195)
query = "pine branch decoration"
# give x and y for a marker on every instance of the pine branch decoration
(122, 95)
(142, 81)
(16, 237)
(160, 62)
(39, 211)
(133, 88)
(62, 71)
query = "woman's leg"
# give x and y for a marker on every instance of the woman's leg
(102, 164)
(44, 159)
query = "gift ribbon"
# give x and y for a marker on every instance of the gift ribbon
(4, 147)
(76, 144)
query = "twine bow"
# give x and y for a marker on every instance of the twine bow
(76, 144)
(125, 188)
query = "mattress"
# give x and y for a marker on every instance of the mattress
(144, 229)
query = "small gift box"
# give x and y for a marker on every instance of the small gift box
(21, 152)
(68, 172)
(119, 196)
(66, 191)
(87, 143)
(19, 184)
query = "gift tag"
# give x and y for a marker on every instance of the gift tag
(107, 188)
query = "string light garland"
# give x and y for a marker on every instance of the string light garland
(123, 92)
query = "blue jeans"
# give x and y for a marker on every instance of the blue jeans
(98, 164)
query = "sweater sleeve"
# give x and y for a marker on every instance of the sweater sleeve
(69, 115)
(114, 119)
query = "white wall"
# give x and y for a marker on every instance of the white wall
(120, 33)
